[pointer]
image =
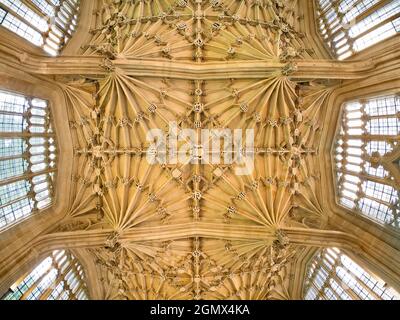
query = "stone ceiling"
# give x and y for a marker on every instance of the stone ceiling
(211, 234)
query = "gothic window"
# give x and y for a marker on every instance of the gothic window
(332, 275)
(349, 26)
(367, 158)
(58, 277)
(46, 23)
(27, 157)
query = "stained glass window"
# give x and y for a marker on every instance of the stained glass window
(27, 157)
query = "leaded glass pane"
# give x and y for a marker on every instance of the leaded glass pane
(58, 277)
(50, 26)
(349, 26)
(332, 275)
(27, 157)
(364, 166)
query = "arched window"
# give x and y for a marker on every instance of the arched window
(58, 277)
(46, 23)
(27, 157)
(367, 158)
(332, 275)
(349, 26)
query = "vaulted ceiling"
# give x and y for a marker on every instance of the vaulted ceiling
(195, 231)
(214, 235)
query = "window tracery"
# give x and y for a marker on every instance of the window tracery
(367, 158)
(58, 277)
(48, 24)
(27, 157)
(332, 275)
(350, 26)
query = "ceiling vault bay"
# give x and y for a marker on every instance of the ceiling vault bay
(193, 231)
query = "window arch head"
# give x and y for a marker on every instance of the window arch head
(332, 275)
(48, 24)
(366, 157)
(58, 277)
(27, 157)
(350, 26)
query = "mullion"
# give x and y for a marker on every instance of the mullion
(377, 132)
(23, 162)
(5, 13)
(34, 21)
(344, 272)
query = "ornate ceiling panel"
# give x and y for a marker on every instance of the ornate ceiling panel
(197, 30)
(193, 269)
(115, 187)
